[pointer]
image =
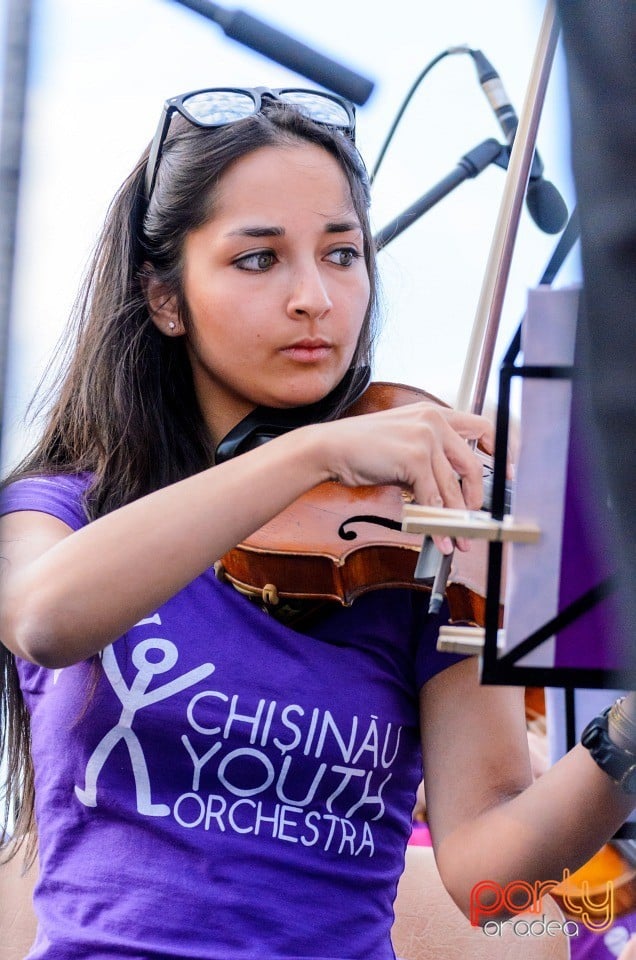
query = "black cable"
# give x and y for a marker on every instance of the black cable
(440, 56)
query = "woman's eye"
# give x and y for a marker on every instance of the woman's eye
(256, 262)
(344, 256)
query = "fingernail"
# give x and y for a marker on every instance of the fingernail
(447, 545)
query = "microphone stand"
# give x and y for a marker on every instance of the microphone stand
(469, 166)
(283, 49)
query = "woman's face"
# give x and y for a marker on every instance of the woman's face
(276, 285)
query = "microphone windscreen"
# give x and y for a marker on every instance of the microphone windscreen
(546, 206)
(291, 53)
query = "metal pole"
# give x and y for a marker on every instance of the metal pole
(16, 64)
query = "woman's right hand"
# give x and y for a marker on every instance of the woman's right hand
(421, 446)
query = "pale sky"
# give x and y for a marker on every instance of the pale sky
(101, 70)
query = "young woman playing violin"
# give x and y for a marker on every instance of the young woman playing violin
(209, 781)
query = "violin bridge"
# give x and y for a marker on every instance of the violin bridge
(472, 524)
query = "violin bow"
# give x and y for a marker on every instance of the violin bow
(478, 362)
(481, 347)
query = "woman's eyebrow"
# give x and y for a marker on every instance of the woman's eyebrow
(339, 226)
(257, 232)
(343, 226)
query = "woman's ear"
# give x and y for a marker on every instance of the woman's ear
(162, 305)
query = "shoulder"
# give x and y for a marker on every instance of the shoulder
(59, 495)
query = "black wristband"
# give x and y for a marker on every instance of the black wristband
(616, 762)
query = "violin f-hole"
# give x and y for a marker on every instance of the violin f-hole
(345, 534)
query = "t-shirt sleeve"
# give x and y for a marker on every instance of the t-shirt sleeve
(60, 496)
(428, 659)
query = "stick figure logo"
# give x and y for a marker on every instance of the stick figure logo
(150, 657)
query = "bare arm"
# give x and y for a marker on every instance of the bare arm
(17, 918)
(67, 595)
(488, 820)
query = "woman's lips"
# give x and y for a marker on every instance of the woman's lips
(307, 351)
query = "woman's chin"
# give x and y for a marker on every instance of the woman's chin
(305, 390)
(300, 398)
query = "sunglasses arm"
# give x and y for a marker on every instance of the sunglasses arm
(158, 139)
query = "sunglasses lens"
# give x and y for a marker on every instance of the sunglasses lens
(318, 108)
(217, 107)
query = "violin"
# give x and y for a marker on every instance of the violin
(335, 542)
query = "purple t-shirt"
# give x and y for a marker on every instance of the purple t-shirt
(216, 785)
(603, 946)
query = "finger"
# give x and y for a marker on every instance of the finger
(447, 481)
(486, 439)
(452, 494)
(453, 497)
(443, 544)
(463, 462)
(447, 492)
(473, 489)
(437, 475)
(425, 488)
(472, 426)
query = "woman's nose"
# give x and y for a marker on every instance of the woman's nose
(309, 296)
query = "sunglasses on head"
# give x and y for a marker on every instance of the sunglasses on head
(220, 106)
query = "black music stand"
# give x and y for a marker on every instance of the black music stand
(604, 667)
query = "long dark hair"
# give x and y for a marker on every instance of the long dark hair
(126, 410)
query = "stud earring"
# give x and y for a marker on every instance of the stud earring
(172, 325)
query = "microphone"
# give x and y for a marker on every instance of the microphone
(544, 202)
(286, 50)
